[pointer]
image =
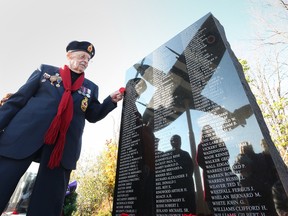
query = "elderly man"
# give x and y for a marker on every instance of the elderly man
(43, 121)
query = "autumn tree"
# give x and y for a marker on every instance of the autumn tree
(96, 179)
(267, 70)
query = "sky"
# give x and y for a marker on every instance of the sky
(35, 32)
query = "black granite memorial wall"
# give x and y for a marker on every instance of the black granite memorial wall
(193, 140)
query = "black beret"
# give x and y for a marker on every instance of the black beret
(81, 46)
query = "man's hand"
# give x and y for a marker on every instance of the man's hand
(117, 95)
(5, 98)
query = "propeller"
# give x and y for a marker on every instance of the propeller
(139, 67)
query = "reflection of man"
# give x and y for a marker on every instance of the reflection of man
(213, 158)
(185, 184)
(271, 172)
(255, 173)
(280, 199)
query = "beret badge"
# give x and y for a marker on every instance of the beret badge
(90, 48)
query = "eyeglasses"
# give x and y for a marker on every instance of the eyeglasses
(82, 56)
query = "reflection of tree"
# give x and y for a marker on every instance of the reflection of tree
(218, 178)
(257, 173)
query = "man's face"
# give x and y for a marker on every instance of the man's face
(78, 61)
(175, 143)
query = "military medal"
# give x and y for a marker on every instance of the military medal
(81, 90)
(88, 93)
(84, 104)
(85, 91)
(45, 77)
(56, 79)
(59, 79)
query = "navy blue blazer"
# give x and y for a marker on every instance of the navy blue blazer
(27, 115)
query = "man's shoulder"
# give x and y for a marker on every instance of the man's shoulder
(90, 83)
(48, 68)
(183, 152)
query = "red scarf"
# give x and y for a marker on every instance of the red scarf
(56, 133)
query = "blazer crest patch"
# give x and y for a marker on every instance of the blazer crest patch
(84, 104)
